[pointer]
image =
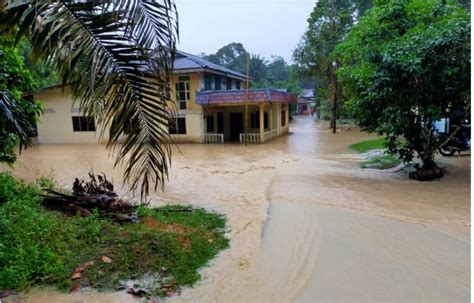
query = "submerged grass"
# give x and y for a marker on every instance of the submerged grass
(41, 247)
(368, 145)
(381, 162)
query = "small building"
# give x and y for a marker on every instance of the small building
(305, 102)
(211, 103)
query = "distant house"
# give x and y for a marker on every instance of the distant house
(211, 107)
(305, 102)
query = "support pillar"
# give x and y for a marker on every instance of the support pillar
(262, 130)
(270, 117)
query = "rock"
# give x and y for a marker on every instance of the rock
(76, 275)
(106, 259)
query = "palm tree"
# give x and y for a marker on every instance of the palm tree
(15, 127)
(116, 57)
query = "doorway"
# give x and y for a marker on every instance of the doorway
(220, 123)
(236, 125)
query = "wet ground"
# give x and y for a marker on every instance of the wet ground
(305, 223)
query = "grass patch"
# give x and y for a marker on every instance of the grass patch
(42, 247)
(381, 162)
(365, 146)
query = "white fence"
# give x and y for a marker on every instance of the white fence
(252, 138)
(211, 138)
(270, 134)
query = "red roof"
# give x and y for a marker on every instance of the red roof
(240, 96)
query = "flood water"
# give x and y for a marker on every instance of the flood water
(305, 223)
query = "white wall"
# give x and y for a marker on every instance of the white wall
(55, 125)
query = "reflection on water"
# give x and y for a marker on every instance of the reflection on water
(312, 173)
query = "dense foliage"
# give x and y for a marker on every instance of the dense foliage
(171, 246)
(116, 57)
(18, 114)
(274, 73)
(328, 24)
(403, 65)
(43, 73)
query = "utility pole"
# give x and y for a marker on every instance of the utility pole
(246, 119)
(334, 68)
(334, 97)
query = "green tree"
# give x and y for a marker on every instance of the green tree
(328, 24)
(258, 70)
(43, 72)
(277, 70)
(403, 65)
(18, 114)
(232, 55)
(116, 57)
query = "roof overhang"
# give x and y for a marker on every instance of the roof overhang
(207, 70)
(242, 97)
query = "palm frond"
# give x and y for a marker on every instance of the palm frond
(16, 122)
(116, 56)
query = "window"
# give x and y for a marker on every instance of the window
(210, 124)
(229, 84)
(255, 120)
(183, 93)
(177, 126)
(207, 82)
(237, 84)
(217, 82)
(283, 117)
(83, 124)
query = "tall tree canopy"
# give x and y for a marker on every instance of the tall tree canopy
(116, 57)
(328, 24)
(274, 73)
(403, 65)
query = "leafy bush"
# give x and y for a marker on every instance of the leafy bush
(41, 247)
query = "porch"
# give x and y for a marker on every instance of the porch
(225, 120)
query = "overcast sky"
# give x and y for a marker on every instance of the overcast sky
(266, 27)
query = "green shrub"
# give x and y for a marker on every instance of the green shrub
(42, 247)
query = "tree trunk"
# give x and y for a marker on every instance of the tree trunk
(334, 102)
(429, 170)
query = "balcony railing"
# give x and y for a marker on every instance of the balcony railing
(211, 138)
(252, 138)
(270, 134)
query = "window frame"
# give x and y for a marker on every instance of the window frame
(83, 124)
(207, 82)
(183, 89)
(177, 128)
(217, 82)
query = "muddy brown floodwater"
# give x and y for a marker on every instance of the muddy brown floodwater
(305, 223)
